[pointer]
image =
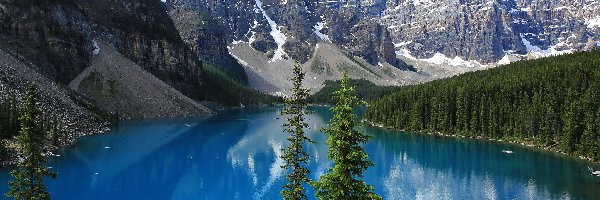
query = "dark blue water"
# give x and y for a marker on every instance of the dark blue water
(236, 156)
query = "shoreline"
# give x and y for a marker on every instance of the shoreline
(549, 149)
(73, 137)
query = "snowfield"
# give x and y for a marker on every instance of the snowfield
(538, 52)
(440, 59)
(317, 29)
(277, 35)
(593, 22)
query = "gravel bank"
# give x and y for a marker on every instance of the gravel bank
(121, 86)
(76, 115)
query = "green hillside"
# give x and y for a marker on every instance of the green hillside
(222, 88)
(365, 91)
(551, 102)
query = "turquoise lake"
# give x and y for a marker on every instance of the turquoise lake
(236, 156)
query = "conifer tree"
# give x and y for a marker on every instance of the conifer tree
(29, 175)
(294, 155)
(342, 181)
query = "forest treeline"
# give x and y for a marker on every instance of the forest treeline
(551, 102)
(365, 91)
(220, 87)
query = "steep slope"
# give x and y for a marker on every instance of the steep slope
(436, 38)
(123, 87)
(76, 114)
(58, 37)
(549, 102)
(205, 37)
(489, 31)
(473, 30)
(122, 58)
(291, 29)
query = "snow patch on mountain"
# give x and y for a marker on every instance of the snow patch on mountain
(593, 22)
(317, 29)
(277, 35)
(96, 50)
(421, 2)
(253, 36)
(405, 53)
(402, 44)
(538, 52)
(507, 59)
(440, 59)
(236, 42)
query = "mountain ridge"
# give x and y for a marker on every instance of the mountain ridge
(480, 30)
(433, 39)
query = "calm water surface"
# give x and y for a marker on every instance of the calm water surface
(236, 156)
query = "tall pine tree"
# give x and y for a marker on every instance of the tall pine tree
(343, 180)
(29, 175)
(294, 155)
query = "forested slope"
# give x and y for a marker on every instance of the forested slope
(222, 88)
(551, 102)
(365, 91)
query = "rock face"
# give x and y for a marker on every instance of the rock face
(54, 36)
(480, 30)
(487, 30)
(292, 28)
(205, 37)
(58, 37)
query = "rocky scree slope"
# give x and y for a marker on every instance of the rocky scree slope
(77, 115)
(58, 36)
(123, 87)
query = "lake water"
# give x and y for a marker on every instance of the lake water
(236, 156)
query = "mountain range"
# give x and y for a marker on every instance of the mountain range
(454, 36)
(132, 59)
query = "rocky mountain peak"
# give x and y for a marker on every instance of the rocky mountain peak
(481, 31)
(292, 28)
(488, 30)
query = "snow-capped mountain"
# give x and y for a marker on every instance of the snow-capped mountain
(479, 30)
(468, 34)
(489, 31)
(292, 28)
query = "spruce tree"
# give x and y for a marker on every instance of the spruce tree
(29, 175)
(342, 181)
(294, 155)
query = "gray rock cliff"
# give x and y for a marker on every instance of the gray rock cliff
(58, 36)
(480, 30)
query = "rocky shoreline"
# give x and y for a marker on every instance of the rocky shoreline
(76, 115)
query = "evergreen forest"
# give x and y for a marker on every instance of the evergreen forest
(549, 102)
(365, 91)
(222, 88)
